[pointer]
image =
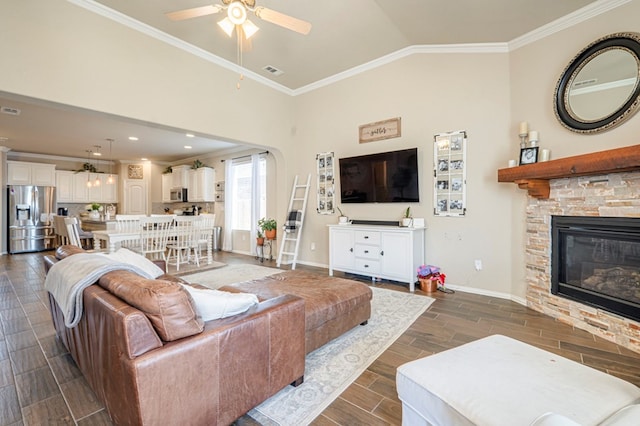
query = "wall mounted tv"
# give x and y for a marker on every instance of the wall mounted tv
(387, 177)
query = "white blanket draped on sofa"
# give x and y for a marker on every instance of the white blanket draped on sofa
(67, 278)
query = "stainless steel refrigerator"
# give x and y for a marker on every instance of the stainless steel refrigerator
(30, 218)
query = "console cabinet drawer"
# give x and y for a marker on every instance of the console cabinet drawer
(366, 251)
(368, 266)
(367, 237)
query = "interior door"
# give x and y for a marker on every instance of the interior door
(135, 197)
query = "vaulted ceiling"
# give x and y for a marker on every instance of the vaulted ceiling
(345, 36)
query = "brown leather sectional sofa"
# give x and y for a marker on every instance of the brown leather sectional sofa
(154, 365)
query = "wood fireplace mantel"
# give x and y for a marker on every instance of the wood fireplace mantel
(535, 177)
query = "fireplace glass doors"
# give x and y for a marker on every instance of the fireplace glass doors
(596, 261)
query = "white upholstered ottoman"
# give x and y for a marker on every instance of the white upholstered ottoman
(501, 381)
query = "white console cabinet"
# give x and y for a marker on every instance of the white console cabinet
(388, 252)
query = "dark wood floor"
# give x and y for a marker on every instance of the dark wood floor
(39, 383)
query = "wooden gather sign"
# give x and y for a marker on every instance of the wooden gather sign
(386, 129)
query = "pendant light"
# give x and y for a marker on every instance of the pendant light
(88, 166)
(97, 153)
(110, 178)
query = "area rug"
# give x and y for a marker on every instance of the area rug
(330, 369)
(229, 274)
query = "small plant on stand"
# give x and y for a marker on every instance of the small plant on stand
(259, 238)
(430, 277)
(268, 226)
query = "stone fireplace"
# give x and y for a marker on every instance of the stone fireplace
(596, 185)
(612, 195)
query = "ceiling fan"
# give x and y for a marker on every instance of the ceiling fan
(237, 17)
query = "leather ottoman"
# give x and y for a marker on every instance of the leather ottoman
(332, 305)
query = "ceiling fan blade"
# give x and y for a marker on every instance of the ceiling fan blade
(193, 13)
(286, 21)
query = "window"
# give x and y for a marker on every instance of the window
(242, 190)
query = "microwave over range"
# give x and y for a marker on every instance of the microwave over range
(178, 195)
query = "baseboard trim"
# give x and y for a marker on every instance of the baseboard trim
(482, 292)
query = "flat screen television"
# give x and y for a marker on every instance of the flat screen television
(386, 177)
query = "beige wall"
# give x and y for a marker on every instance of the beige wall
(58, 52)
(432, 94)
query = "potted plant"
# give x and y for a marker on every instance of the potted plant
(268, 226)
(94, 210)
(259, 238)
(407, 220)
(342, 219)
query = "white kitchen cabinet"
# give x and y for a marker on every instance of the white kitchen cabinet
(180, 176)
(111, 193)
(105, 192)
(81, 193)
(24, 173)
(202, 185)
(64, 186)
(167, 183)
(388, 252)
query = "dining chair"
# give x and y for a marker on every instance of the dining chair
(73, 234)
(60, 229)
(129, 223)
(154, 236)
(186, 232)
(205, 235)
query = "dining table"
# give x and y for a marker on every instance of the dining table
(112, 238)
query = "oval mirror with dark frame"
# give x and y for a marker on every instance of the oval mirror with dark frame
(600, 88)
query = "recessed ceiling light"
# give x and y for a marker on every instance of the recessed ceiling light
(133, 138)
(190, 135)
(144, 159)
(188, 147)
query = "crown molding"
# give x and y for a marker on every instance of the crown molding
(590, 11)
(402, 53)
(18, 154)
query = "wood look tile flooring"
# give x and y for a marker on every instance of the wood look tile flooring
(40, 384)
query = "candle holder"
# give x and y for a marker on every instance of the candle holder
(523, 140)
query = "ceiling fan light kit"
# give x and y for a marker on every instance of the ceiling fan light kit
(237, 13)
(237, 17)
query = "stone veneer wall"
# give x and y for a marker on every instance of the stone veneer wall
(616, 194)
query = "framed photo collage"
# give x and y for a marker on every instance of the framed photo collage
(450, 173)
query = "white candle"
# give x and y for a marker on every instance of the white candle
(524, 128)
(512, 163)
(533, 136)
(544, 155)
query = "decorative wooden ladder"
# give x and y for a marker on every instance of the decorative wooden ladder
(297, 203)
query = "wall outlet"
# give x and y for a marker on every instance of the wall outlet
(478, 264)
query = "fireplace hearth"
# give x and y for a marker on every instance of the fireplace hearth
(596, 261)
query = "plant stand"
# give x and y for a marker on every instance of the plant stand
(262, 250)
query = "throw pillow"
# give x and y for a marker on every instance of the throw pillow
(127, 256)
(215, 304)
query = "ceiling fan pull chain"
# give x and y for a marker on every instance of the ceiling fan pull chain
(239, 53)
